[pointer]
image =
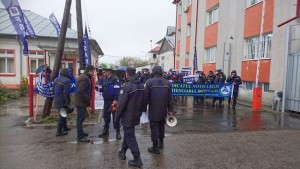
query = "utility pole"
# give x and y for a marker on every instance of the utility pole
(59, 54)
(79, 32)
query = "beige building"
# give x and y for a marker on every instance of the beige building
(42, 50)
(226, 34)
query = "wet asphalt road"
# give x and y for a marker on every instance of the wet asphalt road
(205, 137)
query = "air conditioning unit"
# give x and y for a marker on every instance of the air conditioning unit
(185, 9)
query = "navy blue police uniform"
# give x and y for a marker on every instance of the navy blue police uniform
(158, 94)
(237, 81)
(219, 79)
(111, 88)
(129, 112)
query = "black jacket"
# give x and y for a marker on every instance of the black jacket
(220, 78)
(145, 77)
(129, 108)
(158, 94)
(201, 79)
(83, 90)
(237, 80)
(62, 88)
(211, 78)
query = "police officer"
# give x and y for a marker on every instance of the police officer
(145, 76)
(219, 79)
(236, 81)
(129, 111)
(158, 94)
(201, 80)
(62, 99)
(110, 87)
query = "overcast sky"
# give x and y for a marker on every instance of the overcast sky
(122, 28)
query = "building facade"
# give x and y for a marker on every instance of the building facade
(227, 35)
(42, 50)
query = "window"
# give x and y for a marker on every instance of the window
(252, 47)
(250, 85)
(7, 60)
(188, 30)
(179, 8)
(36, 59)
(210, 56)
(213, 16)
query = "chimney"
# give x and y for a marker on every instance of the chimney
(70, 21)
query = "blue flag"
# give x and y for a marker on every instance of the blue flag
(29, 29)
(195, 59)
(17, 18)
(73, 83)
(85, 50)
(55, 23)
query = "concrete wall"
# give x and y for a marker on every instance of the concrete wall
(167, 61)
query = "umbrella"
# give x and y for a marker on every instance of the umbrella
(40, 69)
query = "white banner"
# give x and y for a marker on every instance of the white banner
(99, 101)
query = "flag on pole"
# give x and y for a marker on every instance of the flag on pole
(55, 23)
(85, 50)
(16, 16)
(195, 59)
(29, 29)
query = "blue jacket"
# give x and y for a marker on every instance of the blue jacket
(110, 87)
(62, 88)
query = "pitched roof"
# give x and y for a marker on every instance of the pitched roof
(170, 40)
(170, 30)
(41, 25)
(155, 50)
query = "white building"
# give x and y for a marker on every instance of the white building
(42, 50)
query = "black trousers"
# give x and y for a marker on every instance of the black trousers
(218, 98)
(129, 141)
(62, 123)
(235, 96)
(81, 111)
(107, 115)
(157, 131)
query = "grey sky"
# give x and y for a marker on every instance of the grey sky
(122, 28)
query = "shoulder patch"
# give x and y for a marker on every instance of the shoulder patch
(121, 92)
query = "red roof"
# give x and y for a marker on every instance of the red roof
(155, 50)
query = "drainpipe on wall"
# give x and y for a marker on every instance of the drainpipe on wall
(21, 62)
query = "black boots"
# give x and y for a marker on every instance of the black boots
(161, 144)
(104, 132)
(118, 135)
(122, 154)
(136, 162)
(154, 150)
(61, 133)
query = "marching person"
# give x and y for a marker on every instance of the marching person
(211, 77)
(111, 88)
(158, 94)
(236, 81)
(83, 100)
(129, 111)
(62, 99)
(145, 76)
(219, 79)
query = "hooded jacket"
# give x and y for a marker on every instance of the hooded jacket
(83, 90)
(129, 108)
(62, 88)
(158, 94)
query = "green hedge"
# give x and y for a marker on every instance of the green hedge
(8, 94)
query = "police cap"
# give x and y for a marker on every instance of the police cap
(131, 70)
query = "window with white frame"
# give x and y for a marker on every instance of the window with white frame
(36, 59)
(252, 47)
(189, 2)
(213, 15)
(210, 55)
(179, 8)
(249, 85)
(7, 60)
(188, 30)
(252, 2)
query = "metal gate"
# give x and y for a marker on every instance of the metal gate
(292, 96)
